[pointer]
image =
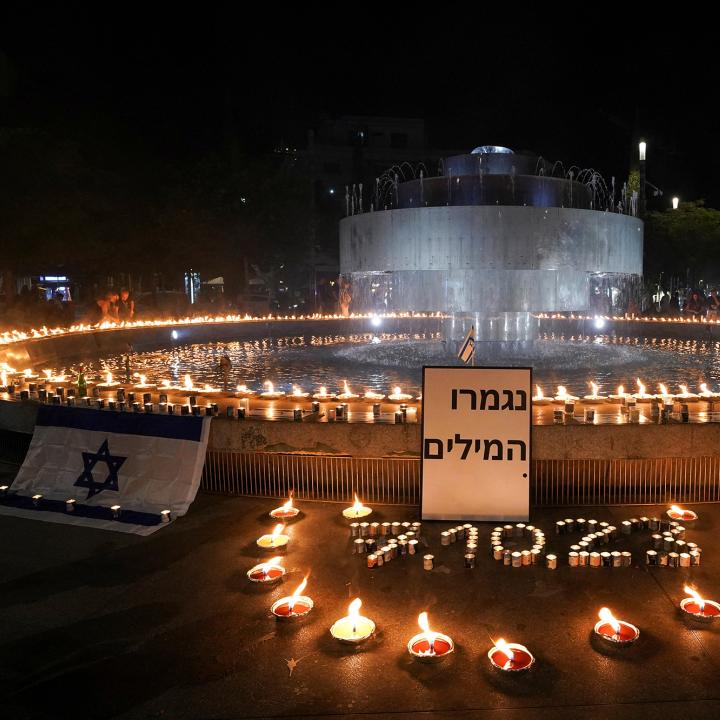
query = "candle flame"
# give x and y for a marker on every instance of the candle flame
(277, 530)
(323, 391)
(429, 634)
(354, 612)
(504, 648)
(357, 505)
(641, 386)
(538, 393)
(143, 378)
(108, 377)
(298, 592)
(663, 389)
(270, 387)
(562, 391)
(187, 382)
(27, 372)
(297, 390)
(48, 373)
(696, 595)
(346, 389)
(607, 617)
(621, 390)
(265, 567)
(684, 391)
(242, 388)
(595, 387)
(288, 505)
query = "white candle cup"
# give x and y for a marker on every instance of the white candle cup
(623, 635)
(273, 542)
(165, 516)
(292, 608)
(430, 647)
(707, 612)
(353, 630)
(116, 510)
(70, 505)
(428, 562)
(266, 573)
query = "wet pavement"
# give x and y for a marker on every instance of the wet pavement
(95, 624)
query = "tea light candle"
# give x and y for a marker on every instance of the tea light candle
(165, 516)
(70, 505)
(429, 645)
(354, 628)
(285, 512)
(266, 572)
(294, 606)
(36, 499)
(357, 510)
(347, 393)
(616, 631)
(678, 513)
(539, 397)
(275, 540)
(115, 511)
(510, 657)
(698, 608)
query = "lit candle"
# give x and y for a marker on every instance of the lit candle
(271, 393)
(539, 398)
(115, 511)
(266, 572)
(322, 394)
(357, 510)
(109, 381)
(347, 393)
(510, 657)
(429, 645)
(621, 394)
(143, 384)
(298, 392)
(397, 395)
(371, 396)
(354, 628)
(285, 512)
(275, 540)
(677, 513)
(615, 631)
(707, 394)
(294, 606)
(663, 395)
(699, 608)
(594, 397)
(642, 394)
(563, 395)
(244, 391)
(684, 394)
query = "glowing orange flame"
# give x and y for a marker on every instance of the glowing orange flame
(696, 595)
(538, 393)
(504, 648)
(607, 617)
(188, 383)
(663, 389)
(641, 386)
(298, 592)
(595, 387)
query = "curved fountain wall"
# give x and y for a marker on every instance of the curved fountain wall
(491, 246)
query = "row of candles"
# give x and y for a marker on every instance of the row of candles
(9, 377)
(664, 395)
(432, 645)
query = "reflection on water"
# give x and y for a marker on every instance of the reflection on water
(379, 362)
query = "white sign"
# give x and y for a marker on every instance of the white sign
(476, 443)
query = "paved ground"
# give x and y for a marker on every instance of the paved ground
(101, 625)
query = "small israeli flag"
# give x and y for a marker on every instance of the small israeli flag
(467, 349)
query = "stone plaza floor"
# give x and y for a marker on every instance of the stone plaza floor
(97, 624)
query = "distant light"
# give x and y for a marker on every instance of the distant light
(376, 321)
(675, 202)
(599, 323)
(375, 340)
(174, 335)
(332, 191)
(642, 147)
(243, 199)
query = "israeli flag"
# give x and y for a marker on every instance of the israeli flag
(142, 462)
(467, 349)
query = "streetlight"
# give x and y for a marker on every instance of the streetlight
(642, 147)
(675, 202)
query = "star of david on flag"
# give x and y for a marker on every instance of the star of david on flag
(113, 462)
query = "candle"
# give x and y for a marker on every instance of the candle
(563, 395)
(294, 606)
(620, 396)
(678, 513)
(347, 393)
(165, 516)
(616, 631)
(594, 397)
(298, 393)
(373, 397)
(286, 511)
(510, 657)
(705, 393)
(354, 628)
(143, 384)
(698, 608)
(244, 391)
(271, 393)
(109, 382)
(429, 645)
(70, 505)
(357, 510)
(685, 395)
(539, 398)
(642, 394)
(274, 540)
(322, 394)
(266, 572)
(115, 511)
(36, 499)
(397, 395)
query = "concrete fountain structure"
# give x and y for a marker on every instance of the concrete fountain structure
(495, 239)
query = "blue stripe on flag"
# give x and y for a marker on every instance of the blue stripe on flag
(183, 427)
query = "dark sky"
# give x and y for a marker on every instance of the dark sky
(167, 86)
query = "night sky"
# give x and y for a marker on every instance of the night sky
(159, 88)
